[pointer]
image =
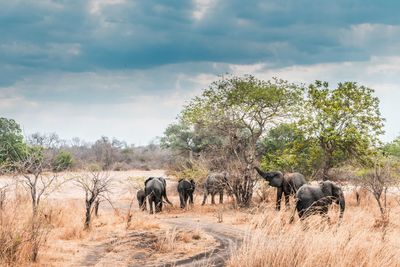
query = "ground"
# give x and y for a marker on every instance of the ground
(211, 235)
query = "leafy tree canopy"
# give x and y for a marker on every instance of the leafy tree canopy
(286, 148)
(393, 148)
(345, 121)
(12, 145)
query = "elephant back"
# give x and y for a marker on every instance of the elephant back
(185, 184)
(155, 186)
(295, 180)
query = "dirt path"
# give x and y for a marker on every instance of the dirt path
(228, 237)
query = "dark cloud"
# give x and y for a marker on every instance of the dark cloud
(73, 36)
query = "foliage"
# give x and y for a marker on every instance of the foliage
(286, 148)
(63, 161)
(182, 138)
(12, 145)
(393, 148)
(345, 121)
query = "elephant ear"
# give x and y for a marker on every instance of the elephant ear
(326, 188)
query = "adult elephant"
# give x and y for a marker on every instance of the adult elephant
(215, 184)
(317, 199)
(141, 197)
(186, 189)
(286, 184)
(155, 191)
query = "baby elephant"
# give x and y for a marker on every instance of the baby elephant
(141, 197)
(317, 199)
(186, 189)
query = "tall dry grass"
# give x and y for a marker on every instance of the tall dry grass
(21, 234)
(359, 240)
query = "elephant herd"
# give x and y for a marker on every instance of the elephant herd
(309, 199)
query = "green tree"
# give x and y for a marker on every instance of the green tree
(63, 161)
(12, 145)
(238, 110)
(186, 140)
(393, 148)
(345, 121)
(286, 148)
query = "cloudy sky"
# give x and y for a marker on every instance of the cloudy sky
(124, 68)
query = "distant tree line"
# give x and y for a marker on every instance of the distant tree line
(104, 154)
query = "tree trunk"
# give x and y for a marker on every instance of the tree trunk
(88, 215)
(96, 208)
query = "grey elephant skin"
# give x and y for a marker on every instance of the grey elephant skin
(155, 191)
(185, 190)
(317, 199)
(215, 184)
(141, 198)
(286, 184)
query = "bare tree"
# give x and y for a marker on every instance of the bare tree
(96, 186)
(378, 180)
(32, 171)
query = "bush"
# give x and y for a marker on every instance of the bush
(63, 161)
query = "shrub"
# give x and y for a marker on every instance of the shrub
(63, 161)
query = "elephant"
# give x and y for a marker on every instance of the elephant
(186, 189)
(317, 199)
(141, 197)
(155, 191)
(286, 184)
(215, 184)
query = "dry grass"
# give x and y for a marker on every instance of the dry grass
(21, 234)
(167, 241)
(363, 238)
(359, 240)
(142, 221)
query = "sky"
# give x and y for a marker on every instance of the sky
(124, 69)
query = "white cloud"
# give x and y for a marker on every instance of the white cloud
(96, 6)
(201, 7)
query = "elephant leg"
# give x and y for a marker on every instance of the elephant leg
(287, 204)
(143, 206)
(151, 205)
(221, 197)
(191, 198)
(186, 198)
(161, 204)
(205, 197)
(212, 198)
(182, 200)
(279, 192)
(158, 203)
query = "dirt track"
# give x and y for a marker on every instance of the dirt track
(229, 238)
